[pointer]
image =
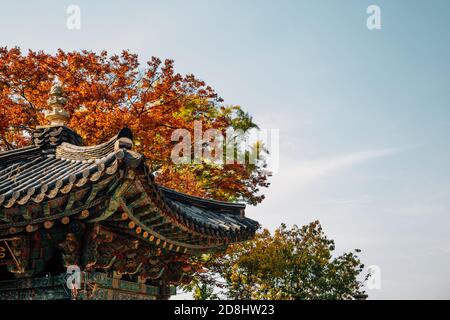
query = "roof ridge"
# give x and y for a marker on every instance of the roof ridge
(171, 193)
(49, 137)
(70, 151)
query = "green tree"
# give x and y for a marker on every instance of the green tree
(296, 263)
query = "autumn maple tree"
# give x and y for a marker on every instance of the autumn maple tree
(108, 92)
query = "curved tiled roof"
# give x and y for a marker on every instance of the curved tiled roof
(217, 215)
(51, 166)
(58, 163)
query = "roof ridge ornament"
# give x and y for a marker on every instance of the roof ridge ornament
(58, 116)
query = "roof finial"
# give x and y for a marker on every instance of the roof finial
(58, 116)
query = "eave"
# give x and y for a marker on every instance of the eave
(58, 179)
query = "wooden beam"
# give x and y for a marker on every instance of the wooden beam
(135, 201)
(46, 208)
(114, 202)
(160, 238)
(70, 201)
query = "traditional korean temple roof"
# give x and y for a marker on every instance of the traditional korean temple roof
(99, 207)
(58, 179)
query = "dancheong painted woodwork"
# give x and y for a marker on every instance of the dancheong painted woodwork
(98, 207)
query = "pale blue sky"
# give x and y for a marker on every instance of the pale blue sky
(363, 115)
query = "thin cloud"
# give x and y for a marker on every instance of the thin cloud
(309, 171)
